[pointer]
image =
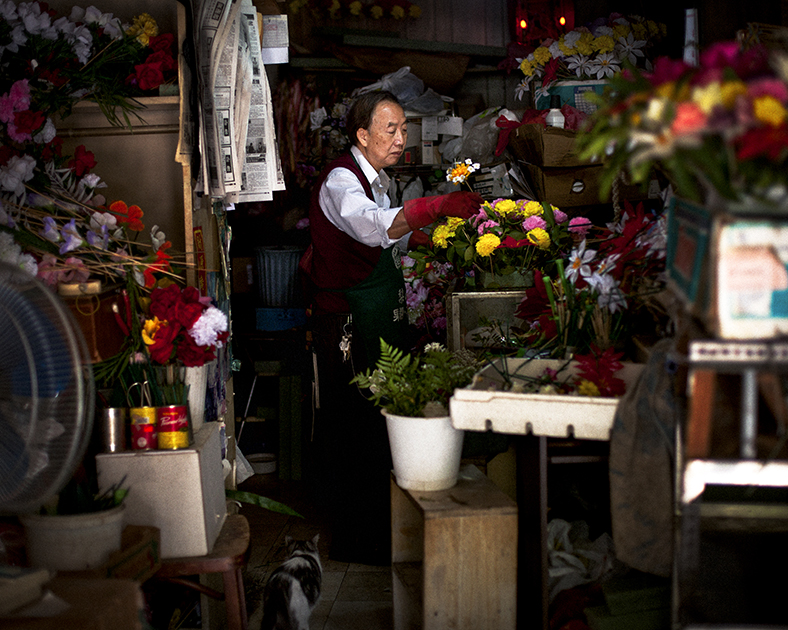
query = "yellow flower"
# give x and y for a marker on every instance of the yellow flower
(707, 97)
(653, 28)
(584, 45)
(542, 55)
(376, 11)
(334, 9)
(621, 30)
(487, 244)
(355, 7)
(527, 67)
(587, 388)
(414, 11)
(506, 206)
(730, 90)
(532, 208)
(149, 330)
(445, 231)
(639, 31)
(539, 237)
(453, 223)
(567, 50)
(398, 12)
(604, 43)
(769, 110)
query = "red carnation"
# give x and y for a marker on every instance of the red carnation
(82, 161)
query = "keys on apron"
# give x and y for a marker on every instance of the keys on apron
(347, 338)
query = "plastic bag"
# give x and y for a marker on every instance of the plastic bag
(243, 469)
(413, 190)
(480, 136)
(403, 84)
(428, 103)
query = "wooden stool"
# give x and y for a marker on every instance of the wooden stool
(230, 554)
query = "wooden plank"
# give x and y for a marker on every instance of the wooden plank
(421, 45)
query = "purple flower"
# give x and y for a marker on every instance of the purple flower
(71, 237)
(49, 231)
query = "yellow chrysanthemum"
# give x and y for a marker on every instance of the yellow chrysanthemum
(453, 223)
(769, 110)
(376, 11)
(397, 12)
(621, 30)
(149, 330)
(334, 9)
(604, 44)
(505, 206)
(355, 7)
(730, 90)
(585, 45)
(587, 388)
(542, 55)
(532, 208)
(567, 50)
(487, 244)
(708, 96)
(639, 30)
(527, 67)
(414, 11)
(440, 236)
(539, 237)
(653, 28)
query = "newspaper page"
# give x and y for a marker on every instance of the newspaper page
(262, 173)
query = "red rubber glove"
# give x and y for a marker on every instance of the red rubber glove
(417, 239)
(421, 212)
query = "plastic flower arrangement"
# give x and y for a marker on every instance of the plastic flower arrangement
(505, 237)
(595, 296)
(340, 9)
(597, 51)
(424, 293)
(53, 222)
(720, 128)
(417, 385)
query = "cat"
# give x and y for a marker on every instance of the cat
(293, 589)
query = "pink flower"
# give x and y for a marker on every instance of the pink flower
(533, 222)
(579, 225)
(487, 225)
(768, 87)
(560, 216)
(17, 100)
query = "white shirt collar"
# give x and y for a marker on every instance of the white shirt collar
(369, 171)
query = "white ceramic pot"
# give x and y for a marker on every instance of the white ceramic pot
(72, 542)
(425, 451)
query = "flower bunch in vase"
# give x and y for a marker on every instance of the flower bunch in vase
(504, 242)
(716, 130)
(593, 52)
(596, 294)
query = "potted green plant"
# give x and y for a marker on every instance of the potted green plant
(413, 391)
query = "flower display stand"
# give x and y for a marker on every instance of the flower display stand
(454, 556)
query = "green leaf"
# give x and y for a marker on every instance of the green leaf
(260, 501)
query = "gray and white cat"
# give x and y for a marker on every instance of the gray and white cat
(293, 589)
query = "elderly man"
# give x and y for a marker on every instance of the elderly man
(357, 295)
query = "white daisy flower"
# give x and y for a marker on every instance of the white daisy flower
(630, 48)
(605, 65)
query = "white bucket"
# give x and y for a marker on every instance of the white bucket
(425, 452)
(72, 542)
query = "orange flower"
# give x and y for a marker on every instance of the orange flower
(689, 119)
(131, 215)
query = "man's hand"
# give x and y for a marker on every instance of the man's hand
(422, 212)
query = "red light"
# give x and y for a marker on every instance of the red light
(523, 24)
(562, 21)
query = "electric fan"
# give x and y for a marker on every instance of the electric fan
(46, 392)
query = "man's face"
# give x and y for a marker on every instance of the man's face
(382, 144)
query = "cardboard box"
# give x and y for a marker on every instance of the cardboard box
(181, 492)
(545, 146)
(243, 274)
(486, 406)
(565, 187)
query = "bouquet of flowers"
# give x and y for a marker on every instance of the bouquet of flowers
(424, 293)
(594, 297)
(597, 51)
(53, 222)
(720, 128)
(505, 237)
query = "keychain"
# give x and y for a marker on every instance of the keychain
(347, 338)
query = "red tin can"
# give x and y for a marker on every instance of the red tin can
(143, 428)
(173, 427)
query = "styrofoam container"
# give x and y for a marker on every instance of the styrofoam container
(485, 406)
(262, 463)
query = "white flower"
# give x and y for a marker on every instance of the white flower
(317, 117)
(603, 30)
(207, 328)
(630, 48)
(578, 262)
(579, 64)
(555, 51)
(103, 219)
(522, 87)
(36, 22)
(609, 292)
(15, 173)
(434, 347)
(47, 134)
(570, 39)
(604, 65)
(608, 264)
(157, 237)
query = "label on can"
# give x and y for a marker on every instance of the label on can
(173, 427)
(143, 428)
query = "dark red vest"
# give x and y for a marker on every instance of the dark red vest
(335, 260)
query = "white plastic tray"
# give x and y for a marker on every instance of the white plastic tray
(484, 407)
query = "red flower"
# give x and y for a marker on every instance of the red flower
(550, 71)
(29, 121)
(165, 60)
(53, 149)
(190, 354)
(768, 141)
(131, 215)
(160, 264)
(149, 75)
(512, 243)
(163, 42)
(667, 70)
(163, 347)
(82, 161)
(599, 368)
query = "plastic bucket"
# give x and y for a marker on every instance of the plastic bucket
(277, 273)
(72, 542)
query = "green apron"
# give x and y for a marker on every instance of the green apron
(378, 306)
